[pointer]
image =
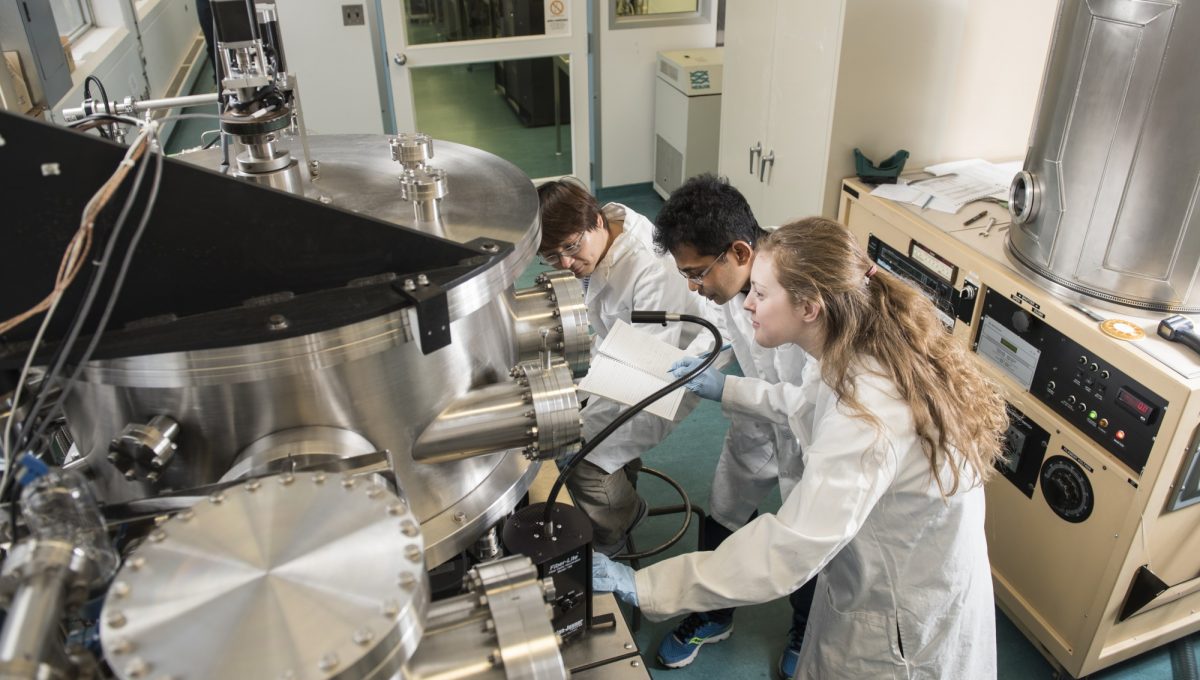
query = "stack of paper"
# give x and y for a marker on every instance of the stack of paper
(631, 365)
(955, 184)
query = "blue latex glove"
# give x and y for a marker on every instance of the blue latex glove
(613, 577)
(709, 384)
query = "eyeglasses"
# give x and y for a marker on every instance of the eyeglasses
(698, 279)
(554, 258)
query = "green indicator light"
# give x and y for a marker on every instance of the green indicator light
(1091, 415)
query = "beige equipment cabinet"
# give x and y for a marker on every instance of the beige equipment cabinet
(1115, 571)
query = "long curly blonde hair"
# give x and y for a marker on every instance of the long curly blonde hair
(959, 415)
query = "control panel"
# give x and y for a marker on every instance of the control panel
(1110, 407)
(1025, 445)
(932, 274)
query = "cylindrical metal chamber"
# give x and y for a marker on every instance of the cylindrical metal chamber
(1107, 204)
(370, 379)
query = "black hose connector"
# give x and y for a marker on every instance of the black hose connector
(637, 317)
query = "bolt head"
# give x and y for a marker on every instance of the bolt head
(328, 662)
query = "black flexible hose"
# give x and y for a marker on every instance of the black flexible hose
(1183, 660)
(636, 317)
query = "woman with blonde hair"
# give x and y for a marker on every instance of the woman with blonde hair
(899, 430)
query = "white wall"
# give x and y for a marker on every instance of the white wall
(339, 91)
(967, 88)
(627, 67)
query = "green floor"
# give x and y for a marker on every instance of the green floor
(689, 456)
(461, 104)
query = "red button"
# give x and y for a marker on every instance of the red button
(1120, 434)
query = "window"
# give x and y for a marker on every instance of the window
(646, 13)
(73, 17)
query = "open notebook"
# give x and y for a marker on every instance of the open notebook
(631, 365)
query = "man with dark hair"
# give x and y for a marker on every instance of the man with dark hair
(709, 228)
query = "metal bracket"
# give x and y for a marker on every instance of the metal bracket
(433, 312)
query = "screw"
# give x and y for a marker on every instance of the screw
(50, 169)
(137, 668)
(460, 517)
(413, 553)
(390, 609)
(422, 280)
(286, 479)
(277, 322)
(217, 498)
(635, 664)
(158, 535)
(325, 199)
(348, 482)
(374, 491)
(409, 285)
(120, 589)
(409, 528)
(628, 645)
(136, 562)
(253, 485)
(328, 662)
(490, 247)
(319, 478)
(363, 636)
(186, 515)
(116, 620)
(407, 580)
(396, 508)
(122, 646)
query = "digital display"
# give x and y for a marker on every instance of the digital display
(1135, 405)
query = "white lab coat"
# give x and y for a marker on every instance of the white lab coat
(632, 276)
(905, 589)
(757, 454)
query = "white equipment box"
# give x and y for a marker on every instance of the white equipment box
(687, 116)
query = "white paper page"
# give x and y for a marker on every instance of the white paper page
(631, 365)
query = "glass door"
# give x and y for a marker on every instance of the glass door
(506, 76)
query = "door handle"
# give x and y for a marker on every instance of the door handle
(754, 150)
(768, 159)
(400, 59)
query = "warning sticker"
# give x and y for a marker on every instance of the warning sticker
(558, 17)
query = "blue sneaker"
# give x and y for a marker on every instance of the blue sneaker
(791, 656)
(683, 644)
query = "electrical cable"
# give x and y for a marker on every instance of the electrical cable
(91, 210)
(636, 317)
(107, 134)
(94, 283)
(156, 151)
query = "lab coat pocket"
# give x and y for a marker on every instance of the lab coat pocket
(752, 443)
(862, 644)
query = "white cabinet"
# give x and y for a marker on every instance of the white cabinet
(807, 81)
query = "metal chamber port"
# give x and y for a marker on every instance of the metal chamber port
(1107, 204)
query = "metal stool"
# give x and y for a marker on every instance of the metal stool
(634, 557)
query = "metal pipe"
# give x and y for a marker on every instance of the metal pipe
(31, 627)
(485, 420)
(554, 304)
(130, 107)
(539, 411)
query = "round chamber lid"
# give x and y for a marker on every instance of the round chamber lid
(488, 199)
(295, 576)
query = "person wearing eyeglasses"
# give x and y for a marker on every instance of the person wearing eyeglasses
(710, 230)
(610, 248)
